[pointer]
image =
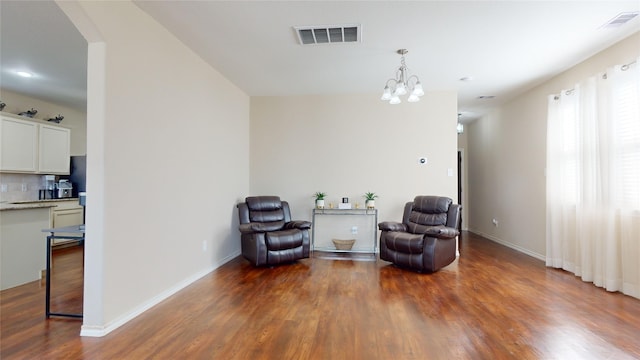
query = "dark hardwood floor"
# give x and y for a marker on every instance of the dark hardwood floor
(492, 303)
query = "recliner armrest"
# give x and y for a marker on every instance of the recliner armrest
(253, 228)
(442, 232)
(298, 224)
(392, 226)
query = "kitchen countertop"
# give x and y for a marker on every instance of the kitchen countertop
(32, 204)
(44, 200)
(24, 206)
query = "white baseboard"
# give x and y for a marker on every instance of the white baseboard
(510, 245)
(99, 331)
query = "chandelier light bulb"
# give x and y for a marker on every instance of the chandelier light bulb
(417, 89)
(400, 90)
(395, 100)
(413, 98)
(386, 94)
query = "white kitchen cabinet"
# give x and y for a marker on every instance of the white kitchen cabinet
(18, 145)
(66, 213)
(30, 146)
(54, 150)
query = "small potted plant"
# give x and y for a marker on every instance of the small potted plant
(370, 200)
(320, 199)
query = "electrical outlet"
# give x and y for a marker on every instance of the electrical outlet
(495, 222)
(204, 245)
(4, 188)
(354, 230)
(24, 187)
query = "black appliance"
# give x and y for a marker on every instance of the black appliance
(78, 174)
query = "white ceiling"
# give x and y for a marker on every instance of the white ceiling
(37, 37)
(507, 47)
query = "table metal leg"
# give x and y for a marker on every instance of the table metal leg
(48, 278)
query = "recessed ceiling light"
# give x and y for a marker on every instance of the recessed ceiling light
(466, 78)
(486, 97)
(24, 74)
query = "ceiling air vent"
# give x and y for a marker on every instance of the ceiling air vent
(329, 34)
(621, 19)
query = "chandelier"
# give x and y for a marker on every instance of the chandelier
(402, 84)
(460, 127)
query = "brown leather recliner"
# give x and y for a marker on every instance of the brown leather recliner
(268, 236)
(425, 240)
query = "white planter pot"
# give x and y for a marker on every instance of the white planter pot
(320, 204)
(371, 204)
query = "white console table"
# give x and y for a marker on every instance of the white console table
(358, 224)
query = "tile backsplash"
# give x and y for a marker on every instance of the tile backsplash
(20, 187)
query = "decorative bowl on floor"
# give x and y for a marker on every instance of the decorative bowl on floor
(343, 244)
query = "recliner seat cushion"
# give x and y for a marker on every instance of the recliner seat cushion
(284, 239)
(405, 242)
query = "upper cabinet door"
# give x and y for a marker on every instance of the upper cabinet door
(54, 150)
(18, 145)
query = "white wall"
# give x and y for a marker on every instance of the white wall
(168, 154)
(346, 145)
(74, 119)
(507, 157)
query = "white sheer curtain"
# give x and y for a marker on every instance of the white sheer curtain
(593, 180)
